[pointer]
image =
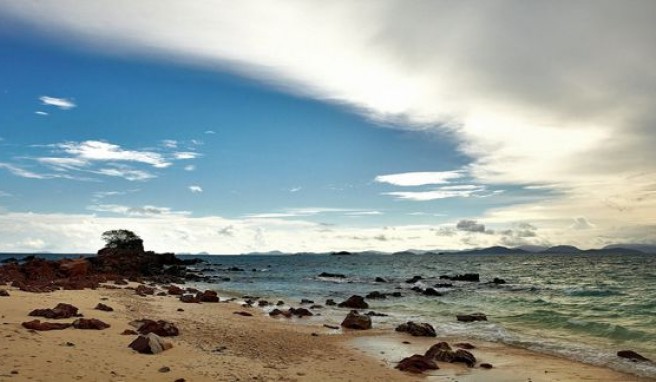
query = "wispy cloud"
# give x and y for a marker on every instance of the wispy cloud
(125, 173)
(170, 143)
(23, 173)
(39, 112)
(186, 155)
(420, 178)
(195, 189)
(144, 211)
(190, 167)
(62, 103)
(104, 151)
(210, 132)
(440, 193)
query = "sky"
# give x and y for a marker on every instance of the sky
(234, 127)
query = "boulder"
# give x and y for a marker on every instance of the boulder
(375, 295)
(418, 330)
(355, 320)
(90, 323)
(414, 279)
(300, 312)
(465, 357)
(161, 328)
(175, 290)
(277, 312)
(40, 326)
(417, 363)
(471, 317)
(61, 310)
(208, 296)
(150, 343)
(332, 275)
(498, 281)
(103, 307)
(486, 365)
(471, 277)
(442, 352)
(633, 356)
(354, 302)
(306, 301)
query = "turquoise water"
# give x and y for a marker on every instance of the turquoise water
(585, 307)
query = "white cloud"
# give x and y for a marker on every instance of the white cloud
(126, 173)
(295, 189)
(420, 178)
(170, 143)
(581, 223)
(210, 132)
(145, 211)
(62, 103)
(190, 167)
(440, 193)
(18, 171)
(104, 151)
(186, 155)
(40, 113)
(195, 189)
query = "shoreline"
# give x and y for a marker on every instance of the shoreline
(216, 344)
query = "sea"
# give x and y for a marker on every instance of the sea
(579, 306)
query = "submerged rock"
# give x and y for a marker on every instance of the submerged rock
(354, 302)
(417, 363)
(375, 295)
(418, 330)
(355, 320)
(330, 302)
(471, 317)
(414, 279)
(332, 275)
(431, 292)
(471, 277)
(633, 356)
(380, 280)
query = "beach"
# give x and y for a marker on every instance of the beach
(215, 344)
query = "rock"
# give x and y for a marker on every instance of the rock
(316, 306)
(375, 295)
(486, 365)
(242, 313)
(443, 285)
(150, 343)
(465, 357)
(395, 294)
(355, 320)
(464, 345)
(129, 332)
(103, 307)
(180, 380)
(334, 327)
(417, 363)
(277, 312)
(280, 303)
(498, 281)
(300, 312)
(371, 313)
(380, 280)
(161, 294)
(442, 352)
(431, 292)
(354, 302)
(418, 330)
(263, 303)
(471, 277)
(208, 296)
(61, 310)
(633, 356)
(471, 317)
(41, 326)
(120, 282)
(4, 293)
(189, 299)
(180, 310)
(414, 279)
(175, 290)
(161, 328)
(74, 267)
(143, 290)
(306, 301)
(332, 275)
(235, 269)
(164, 369)
(90, 323)
(330, 302)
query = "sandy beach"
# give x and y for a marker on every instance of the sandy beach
(215, 344)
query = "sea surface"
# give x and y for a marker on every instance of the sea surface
(582, 306)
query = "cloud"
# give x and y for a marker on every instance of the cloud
(210, 132)
(440, 193)
(581, 223)
(470, 226)
(295, 189)
(419, 178)
(145, 211)
(4, 194)
(18, 171)
(62, 103)
(190, 167)
(104, 151)
(40, 113)
(125, 173)
(195, 189)
(170, 143)
(186, 155)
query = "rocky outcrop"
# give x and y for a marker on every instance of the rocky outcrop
(355, 320)
(354, 302)
(60, 311)
(418, 330)
(41, 326)
(90, 323)
(471, 317)
(417, 363)
(150, 343)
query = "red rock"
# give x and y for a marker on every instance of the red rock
(90, 323)
(161, 328)
(300, 312)
(104, 307)
(143, 290)
(38, 325)
(175, 290)
(74, 267)
(442, 352)
(207, 296)
(242, 313)
(60, 311)
(418, 330)
(417, 363)
(354, 302)
(150, 343)
(486, 366)
(355, 320)
(465, 357)
(129, 332)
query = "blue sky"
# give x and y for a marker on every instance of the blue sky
(306, 140)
